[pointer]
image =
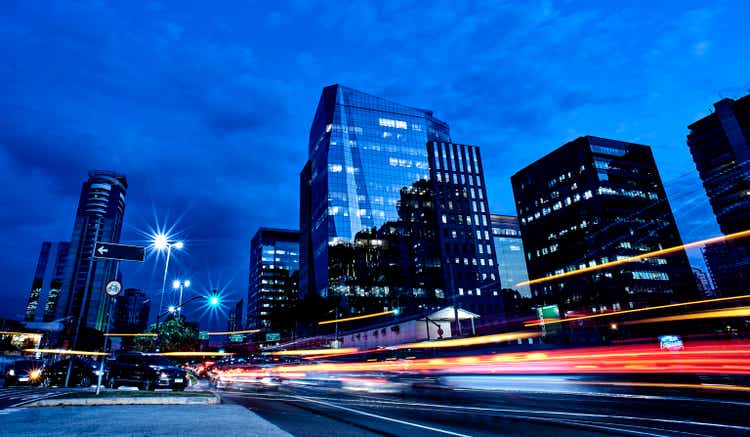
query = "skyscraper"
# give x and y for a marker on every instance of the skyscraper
(48, 280)
(235, 319)
(98, 218)
(273, 282)
(131, 311)
(467, 249)
(593, 201)
(362, 150)
(511, 261)
(720, 145)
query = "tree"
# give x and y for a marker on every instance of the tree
(172, 336)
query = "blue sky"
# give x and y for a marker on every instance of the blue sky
(206, 106)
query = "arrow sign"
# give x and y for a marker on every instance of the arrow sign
(119, 251)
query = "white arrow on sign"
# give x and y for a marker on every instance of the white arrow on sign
(102, 250)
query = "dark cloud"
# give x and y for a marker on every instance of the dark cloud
(207, 107)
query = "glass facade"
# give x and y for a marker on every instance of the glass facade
(363, 150)
(720, 145)
(48, 278)
(99, 218)
(273, 283)
(590, 202)
(511, 262)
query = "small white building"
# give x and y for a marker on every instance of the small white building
(433, 326)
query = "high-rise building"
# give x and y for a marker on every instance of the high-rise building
(702, 282)
(306, 269)
(235, 320)
(273, 282)
(511, 259)
(463, 227)
(98, 218)
(720, 145)
(48, 280)
(363, 150)
(590, 202)
(131, 311)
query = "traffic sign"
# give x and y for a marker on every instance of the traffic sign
(119, 251)
(236, 338)
(273, 336)
(203, 335)
(113, 288)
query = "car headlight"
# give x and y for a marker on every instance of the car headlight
(163, 375)
(11, 372)
(35, 374)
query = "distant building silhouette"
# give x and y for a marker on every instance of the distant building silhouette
(720, 145)
(594, 201)
(98, 218)
(235, 320)
(511, 259)
(131, 311)
(702, 282)
(48, 280)
(273, 280)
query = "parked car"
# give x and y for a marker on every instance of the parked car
(23, 372)
(83, 373)
(147, 372)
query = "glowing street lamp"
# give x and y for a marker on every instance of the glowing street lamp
(160, 242)
(181, 285)
(214, 300)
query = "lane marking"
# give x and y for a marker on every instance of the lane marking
(377, 416)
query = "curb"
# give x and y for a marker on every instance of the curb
(145, 400)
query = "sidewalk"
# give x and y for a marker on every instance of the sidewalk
(137, 420)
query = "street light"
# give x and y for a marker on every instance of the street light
(213, 300)
(181, 285)
(160, 242)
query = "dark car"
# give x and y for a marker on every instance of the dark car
(83, 373)
(23, 372)
(147, 372)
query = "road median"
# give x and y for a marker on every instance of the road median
(118, 397)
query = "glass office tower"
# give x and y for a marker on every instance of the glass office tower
(720, 145)
(510, 255)
(48, 279)
(363, 150)
(98, 218)
(272, 284)
(594, 201)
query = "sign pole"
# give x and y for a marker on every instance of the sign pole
(108, 323)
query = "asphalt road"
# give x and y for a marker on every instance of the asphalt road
(12, 397)
(324, 411)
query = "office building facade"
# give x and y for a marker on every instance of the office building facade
(47, 283)
(594, 201)
(720, 146)
(362, 150)
(131, 312)
(273, 280)
(511, 259)
(98, 218)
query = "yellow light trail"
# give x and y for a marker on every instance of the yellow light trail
(711, 314)
(472, 341)
(647, 255)
(19, 333)
(247, 331)
(305, 352)
(349, 319)
(65, 352)
(637, 310)
(194, 354)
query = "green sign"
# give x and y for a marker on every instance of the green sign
(236, 338)
(203, 335)
(273, 336)
(548, 312)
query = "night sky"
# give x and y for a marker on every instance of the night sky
(206, 106)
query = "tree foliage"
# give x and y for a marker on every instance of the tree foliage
(172, 336)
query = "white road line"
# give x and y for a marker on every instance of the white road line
(377, 416)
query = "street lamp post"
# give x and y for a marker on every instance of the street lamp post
(181, 285)
(161, 242)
